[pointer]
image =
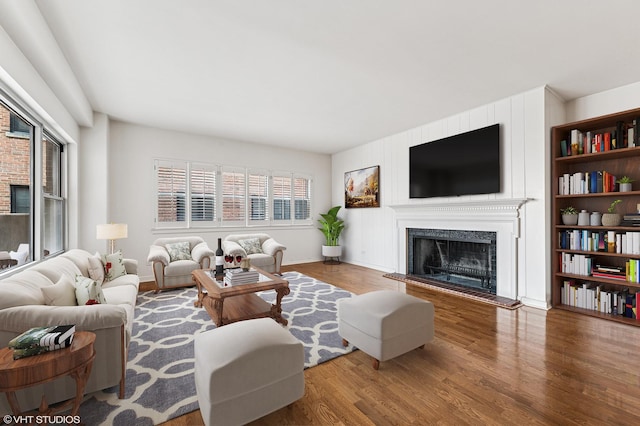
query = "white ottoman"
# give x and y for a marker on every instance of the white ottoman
(385, 323)
(246, 370)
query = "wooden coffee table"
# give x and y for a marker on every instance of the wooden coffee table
(240, 302)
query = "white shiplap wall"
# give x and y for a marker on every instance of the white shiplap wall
(368, 238)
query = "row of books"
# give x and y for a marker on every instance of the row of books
(587, 183)
(625, 135)
(579, 264)
(598, 297)
(38, 340)
(604, 241)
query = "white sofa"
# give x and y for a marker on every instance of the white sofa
(268, 259)
(22, 306)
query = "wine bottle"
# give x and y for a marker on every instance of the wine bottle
(219, 258)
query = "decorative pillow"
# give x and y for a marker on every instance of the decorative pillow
(113, 266)
(88, 291)
(251, 245)
(96, 268)
(179, 251)
(62, 293)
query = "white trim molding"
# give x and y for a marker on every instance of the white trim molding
(501, 216)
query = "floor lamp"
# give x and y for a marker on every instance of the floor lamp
(111, 232)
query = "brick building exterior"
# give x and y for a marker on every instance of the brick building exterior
(15, 160)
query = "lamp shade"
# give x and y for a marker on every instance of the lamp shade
(111, 231)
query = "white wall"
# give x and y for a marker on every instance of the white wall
(131, 152)
(368, 238)
(603, 103)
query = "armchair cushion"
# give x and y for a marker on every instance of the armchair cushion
(179, 251)
(251, 245)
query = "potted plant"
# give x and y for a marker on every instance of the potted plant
(331, 227)
(625, 183)
(611, 218)
(569, 215)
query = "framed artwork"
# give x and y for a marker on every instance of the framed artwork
(361, 188)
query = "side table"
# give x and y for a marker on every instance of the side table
(75, 361)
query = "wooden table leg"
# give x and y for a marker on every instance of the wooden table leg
(198, 303)
(276, 310)
(81, 375)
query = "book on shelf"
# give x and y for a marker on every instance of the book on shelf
(43, 337)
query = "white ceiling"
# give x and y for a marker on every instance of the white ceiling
(327, 75)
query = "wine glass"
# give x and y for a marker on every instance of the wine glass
(228, 258)
(238, 259)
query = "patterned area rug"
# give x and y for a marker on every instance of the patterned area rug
(159, 381)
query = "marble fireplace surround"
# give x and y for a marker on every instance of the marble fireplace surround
(501, 216)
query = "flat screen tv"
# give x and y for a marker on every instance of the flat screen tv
(464, 164)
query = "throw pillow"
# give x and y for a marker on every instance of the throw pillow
(62, 293)
(88, 291)
(113, 266)
(179, 251)
(251, 245)
(96, 268)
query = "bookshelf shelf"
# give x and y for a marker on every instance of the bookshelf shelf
(623, 161)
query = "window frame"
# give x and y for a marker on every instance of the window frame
(39, 198)
(244, 193)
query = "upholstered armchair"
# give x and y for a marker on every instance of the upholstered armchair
(262, 250)
(174, 259)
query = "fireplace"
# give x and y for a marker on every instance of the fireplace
(461, 257)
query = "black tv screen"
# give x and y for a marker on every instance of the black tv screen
(464, 164)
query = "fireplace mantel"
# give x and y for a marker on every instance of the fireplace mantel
(498, 215)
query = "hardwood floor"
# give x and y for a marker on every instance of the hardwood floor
(486, 365)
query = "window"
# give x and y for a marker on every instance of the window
(171, 180)
(196, 195)
(258, 196)
(32, 183)
(302, 197)
(233, 196)
(202, 182)
(53, 223)
(18, 126)
(20, 199)
(281, 198)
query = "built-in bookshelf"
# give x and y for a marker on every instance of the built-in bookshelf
(588, 156)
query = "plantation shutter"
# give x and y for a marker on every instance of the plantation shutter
(258, 197)
(233, 196)
(202, 181)
(281, 198)
(171, 182)
(302, 199)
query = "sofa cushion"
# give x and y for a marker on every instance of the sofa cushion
(88, 291)
(62, 293)
(130, 280)
(23, 289)
(121, 295)
(251, 245)
(179, 251)
(113, 265)
(95, 267)
(57, 267)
